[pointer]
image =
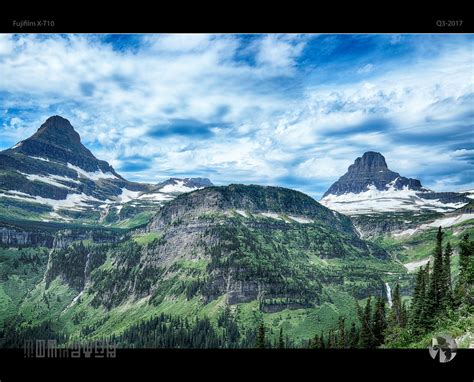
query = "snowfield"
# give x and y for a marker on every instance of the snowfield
(49, 179)
(448, 221)
(128, 195)
(156, 197)
(178, 187)
(414, 265)
(389, 200)
(72, 201)
(300, 219)
(99, 174)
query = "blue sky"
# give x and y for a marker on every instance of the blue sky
(289, 110)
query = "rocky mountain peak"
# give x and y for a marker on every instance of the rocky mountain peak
(58, 141)
(371, 170)
(58, 130)
(369, 162)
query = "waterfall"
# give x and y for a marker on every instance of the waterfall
(389, 294)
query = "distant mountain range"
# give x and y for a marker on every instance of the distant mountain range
(53, 168)
(369, 186)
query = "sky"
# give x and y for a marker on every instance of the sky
(287, 110)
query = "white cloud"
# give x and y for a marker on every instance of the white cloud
(279, 53)
(6, 44)
(114, 98)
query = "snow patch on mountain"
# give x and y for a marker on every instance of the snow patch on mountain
(156, 197)
(389, 200)
(300, 219)
(407, 232)
(96, 175)
(414, 265)
(128, 195)
(448, 221)
(46, 179)
(40, 158)
(72, 201)
(178, 186)
(271, 215)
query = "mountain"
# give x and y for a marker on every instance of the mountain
(57, 141)
(369, 186)
(54, 172)
(371, 170)
(240, 252)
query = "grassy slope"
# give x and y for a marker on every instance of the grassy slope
(20, 271)
(421, 245)
(299, 324)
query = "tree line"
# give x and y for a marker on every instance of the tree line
(436, 297)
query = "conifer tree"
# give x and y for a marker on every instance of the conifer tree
(419, 319)
(396, 313)
(341, 343)
(436, 290)
(281, 341)
(404, 315)
(322, 342)
(366, 337)
(379, 322)
(260, 342)
(353, 336)
(463, 290)
(448, 292)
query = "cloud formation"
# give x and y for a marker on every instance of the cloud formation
(289, 110)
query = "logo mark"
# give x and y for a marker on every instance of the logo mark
(443, 345)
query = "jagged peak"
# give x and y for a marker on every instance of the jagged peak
(59, 130)
(370, 161)
(371, 170)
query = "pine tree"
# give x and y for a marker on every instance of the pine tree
(281, 341)
(436, 284)
(463, 290)
(448, 292)
(260, 341)
(353, 336)
(322, 342)
(341, 343)
(436, 290)
(379, 322)
(396, 313)
(419, 319)
(315, 342)
(404, 315)
(366, 336)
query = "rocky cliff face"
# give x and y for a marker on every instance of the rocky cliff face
(11, 237)
(53, 236)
